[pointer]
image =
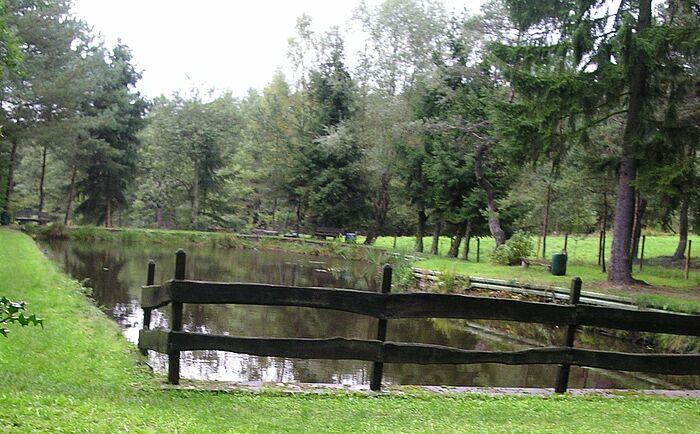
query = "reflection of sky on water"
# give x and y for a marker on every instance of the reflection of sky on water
(116, 272)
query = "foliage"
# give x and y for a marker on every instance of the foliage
(198, 137)
(12, 312)
(517, 248)
(515, 118)
(113, 156)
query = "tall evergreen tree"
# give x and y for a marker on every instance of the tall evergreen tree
(113, 158)
(580, 64)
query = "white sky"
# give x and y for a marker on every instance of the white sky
(214, 44)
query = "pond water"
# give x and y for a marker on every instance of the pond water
(115, 272)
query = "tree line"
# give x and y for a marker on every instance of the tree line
(562, 116)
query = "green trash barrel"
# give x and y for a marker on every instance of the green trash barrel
(559, 264)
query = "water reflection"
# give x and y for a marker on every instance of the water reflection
(116, 271)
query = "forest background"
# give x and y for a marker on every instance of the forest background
(549, 116)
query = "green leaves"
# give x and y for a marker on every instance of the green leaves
(11, 312)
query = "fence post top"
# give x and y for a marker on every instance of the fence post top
(180, 251)
(151, 262)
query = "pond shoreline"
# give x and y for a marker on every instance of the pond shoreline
(329, 388)
(336, 249)
(79, 374)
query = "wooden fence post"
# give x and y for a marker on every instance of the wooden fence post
(600, 246)
(641, 254)
(563, 373)
(566, 241)
(687, 260)
(176, 314)
(378, 367)
(150, 279)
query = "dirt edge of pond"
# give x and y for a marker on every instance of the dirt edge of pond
(329, 388)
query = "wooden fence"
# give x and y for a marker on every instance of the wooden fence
(386, 306)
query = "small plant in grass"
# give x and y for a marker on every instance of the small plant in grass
(448, 281)
(403, 278)
(12, 312)
(517, 248)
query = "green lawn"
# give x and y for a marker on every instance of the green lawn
(582, 262)
(79, 374)
(582, 249)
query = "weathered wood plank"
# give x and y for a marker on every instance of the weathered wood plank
(672, 364)
(480, 281)
(384, 306)
(299, 348)
(425, 354)
(418, 305)
(156, 340)
(155, 296)
(643, 321)
(346, 300)
(430, 305)
(400, 352)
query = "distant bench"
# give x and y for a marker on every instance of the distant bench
(24, 216)
(323, 232)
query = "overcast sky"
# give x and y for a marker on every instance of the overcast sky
(213, 44)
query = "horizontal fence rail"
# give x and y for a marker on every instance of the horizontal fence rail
(418, 305)
(386, 306)
(424, 354)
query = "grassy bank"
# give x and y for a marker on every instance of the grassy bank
(79, 374)
(181, 238)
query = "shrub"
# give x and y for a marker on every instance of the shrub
(517, 248)
(56, 231)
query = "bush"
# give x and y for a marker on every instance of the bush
(517, 248)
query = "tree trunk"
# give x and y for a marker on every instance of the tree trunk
(71, 192)
(603, 226)
(435, 246)
(494, 222)
(380, 206)
(682, 228)
(420, 229)
(545, 223)
(467, 237)
(11, 175)
(194, 209)
(158, 217)
(41, 179)
(274, 211)
(640, 209)
(454, 246)
(298, 215)
(108, 214)
(620, 270)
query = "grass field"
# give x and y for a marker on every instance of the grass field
(581, 249)
(78, 374)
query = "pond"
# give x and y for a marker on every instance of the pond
(115, 272)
